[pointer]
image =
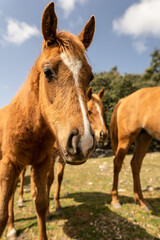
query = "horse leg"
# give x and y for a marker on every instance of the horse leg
(60, 173)
(20, 200)
(33, 186)
(50, 181)
(39, 175)
(142, 143)
(8, 179)
(118, 160)
(11, 235)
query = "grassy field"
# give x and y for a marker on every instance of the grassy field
(87, 213)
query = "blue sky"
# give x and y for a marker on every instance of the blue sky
(127, 31)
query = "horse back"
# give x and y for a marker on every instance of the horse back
(140, 110)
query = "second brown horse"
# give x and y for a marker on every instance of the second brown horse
(134, 119)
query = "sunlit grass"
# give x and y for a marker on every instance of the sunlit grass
(86, 198)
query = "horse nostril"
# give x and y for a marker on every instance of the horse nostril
(101, 134)
(72, 142)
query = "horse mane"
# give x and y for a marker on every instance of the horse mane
(95, 98)
(68, 43)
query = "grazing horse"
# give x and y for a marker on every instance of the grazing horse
(134, 119)
(51, 105)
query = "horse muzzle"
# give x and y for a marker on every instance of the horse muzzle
(101, 137)
(75, 154)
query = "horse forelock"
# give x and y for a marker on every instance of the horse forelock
(96, 100)
(67, 42)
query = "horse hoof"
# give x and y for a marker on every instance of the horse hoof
(116, 205)
(20, 203)
(12, 238)
(147, 208)
(12, 235)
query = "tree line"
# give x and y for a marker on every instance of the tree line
(118, 86)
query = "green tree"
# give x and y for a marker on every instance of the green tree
(151, 77)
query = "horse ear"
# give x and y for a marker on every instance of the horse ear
(49, 23)
(89, 93)
(101, 93)
(87, 33)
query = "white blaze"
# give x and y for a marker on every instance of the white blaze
(99, 112)
(74, 66)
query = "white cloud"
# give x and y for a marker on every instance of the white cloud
(140, 20)
(69, 5)
(140, 46)
(18, 32)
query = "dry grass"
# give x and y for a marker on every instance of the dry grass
(86, 198)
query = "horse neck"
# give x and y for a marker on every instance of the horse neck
(26, 102)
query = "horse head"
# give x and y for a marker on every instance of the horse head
(96, 115)
(63, 80)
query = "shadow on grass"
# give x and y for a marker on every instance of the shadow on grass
(20, 231)
(106, 198)
(92, 219)
(25, 219)
(152, 201)
(155, 204)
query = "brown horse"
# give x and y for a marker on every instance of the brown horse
(134, 119)
(96, 113)
(96, 118)
(51, 105)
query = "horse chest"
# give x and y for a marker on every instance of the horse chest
(30, 149)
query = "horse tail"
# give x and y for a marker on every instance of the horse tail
(114, 128)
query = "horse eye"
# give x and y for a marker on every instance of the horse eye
(48, 73)
(89, 112)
